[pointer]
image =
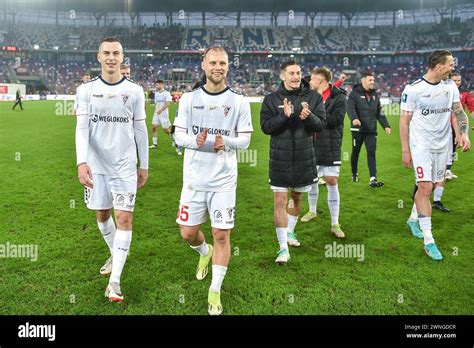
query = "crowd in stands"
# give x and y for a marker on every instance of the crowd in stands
(175, 37)
(254, 74)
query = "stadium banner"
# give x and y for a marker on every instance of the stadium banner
(383, 101)
(9, 90)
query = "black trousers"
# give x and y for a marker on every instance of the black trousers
(18, 101)
(370, 140)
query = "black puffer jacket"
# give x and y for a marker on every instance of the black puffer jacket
(329, 141)
(368, 113)
(292, 157)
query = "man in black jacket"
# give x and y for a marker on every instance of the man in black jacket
(364, 111)
(291, 115)
(327, 147)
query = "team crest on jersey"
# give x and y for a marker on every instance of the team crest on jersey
(226, 110)
(124, 98)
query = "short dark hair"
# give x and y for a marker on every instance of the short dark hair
(159, 81)
(324, 71)
(109, 39)
(454, 74)
(366, 74)
(438, 57)
(86, 74)
(287, 64)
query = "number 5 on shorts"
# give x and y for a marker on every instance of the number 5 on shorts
(183, 215)
(419, 172)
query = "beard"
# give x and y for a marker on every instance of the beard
(215, 80)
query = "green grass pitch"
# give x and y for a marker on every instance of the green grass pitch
(41, 203)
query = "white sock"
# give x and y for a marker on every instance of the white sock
(438, 193)
(108, 232)
(155, 140)
(218, 274)
(121, 245)
(333, 203)
(202, 249)
(425, 226)
(292, 220)
(414, 213)
(313, 198)
(282, 237)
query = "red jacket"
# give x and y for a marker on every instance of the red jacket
(338, 83)
(467, 100)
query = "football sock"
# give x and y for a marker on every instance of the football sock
(218, 274)
(425, 226)
(438, 193)
(333, 203)
(282, 237)
(292, 220)
(414, 213)
(108, 232)
(313, 198)
(121, 245)
(202, 249)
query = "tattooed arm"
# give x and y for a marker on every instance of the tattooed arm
(463, 124)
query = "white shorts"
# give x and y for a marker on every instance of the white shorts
(428, 165)
(194, 206)
(328, 171)
(111, 192)
(160, 120)
(451, 154)
(294, 189)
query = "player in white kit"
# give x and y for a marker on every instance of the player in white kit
(425, 133)
(213, 122)
(161, 116)
(110, 129)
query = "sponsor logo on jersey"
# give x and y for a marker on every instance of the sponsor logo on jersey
(426, 112)
(230, 213)
(198, 107)
(131, 198)
(217, 216)
(98, 95)
(426, 96)
(226, 110)
(107, 119)
(213, 107)
(199, 129)
(110, 96)
(119, 200)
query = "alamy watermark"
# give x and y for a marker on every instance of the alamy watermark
(29, 251)
(247, 156)
(356, 251)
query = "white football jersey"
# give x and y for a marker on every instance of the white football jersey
(160, 99)
(111, 109)
(431, 104)
(227, 113)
